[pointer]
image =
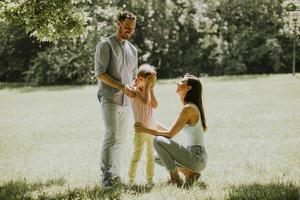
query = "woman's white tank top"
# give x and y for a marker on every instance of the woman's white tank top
(194, 134)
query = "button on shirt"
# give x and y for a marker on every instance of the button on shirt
(119, 61)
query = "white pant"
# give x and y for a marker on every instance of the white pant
(116, 123)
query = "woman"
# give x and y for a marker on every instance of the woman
(192, 159)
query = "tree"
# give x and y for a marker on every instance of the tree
(177, 36)
(71, 61)
(16, 51)
(173, 44)
(47, 20)
(249, 31)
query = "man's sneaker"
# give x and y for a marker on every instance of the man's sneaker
(107, 184)
(111, 182)
(116, 181)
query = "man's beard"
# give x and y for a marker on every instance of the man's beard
(123, 34)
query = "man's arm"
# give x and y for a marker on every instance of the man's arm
(105, 78)
(108, 80)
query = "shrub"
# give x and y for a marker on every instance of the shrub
(66, 63)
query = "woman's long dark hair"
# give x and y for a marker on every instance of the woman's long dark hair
(194, 95)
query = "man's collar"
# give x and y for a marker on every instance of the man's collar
(116, 39)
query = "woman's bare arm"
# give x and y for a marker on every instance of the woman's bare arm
(178, 124)
(159, 126)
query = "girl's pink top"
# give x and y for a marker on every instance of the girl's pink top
(143, 113)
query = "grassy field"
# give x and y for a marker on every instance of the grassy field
(50, 140)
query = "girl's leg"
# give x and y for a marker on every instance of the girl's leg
(139, 142)
(150, 159)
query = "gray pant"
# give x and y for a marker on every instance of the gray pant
(172, 155)
(116, 123)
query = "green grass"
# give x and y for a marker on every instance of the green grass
(50, 140)
(270, 191)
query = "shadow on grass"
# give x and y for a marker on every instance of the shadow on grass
(271, 191)
(23, 87)
(23, 190)
(55, 189)
(137, 189)
(20, 189)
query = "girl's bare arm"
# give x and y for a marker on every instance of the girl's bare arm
(146, 98)
(154, 102)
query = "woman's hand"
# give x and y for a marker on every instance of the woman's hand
(138, 127)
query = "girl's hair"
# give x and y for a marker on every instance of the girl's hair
(146, 70)
(194, 95)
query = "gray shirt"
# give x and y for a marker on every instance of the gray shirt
(118, 60)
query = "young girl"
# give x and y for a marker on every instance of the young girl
(190, 159)
(142, 105)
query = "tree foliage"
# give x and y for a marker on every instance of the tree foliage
(66, 62)
(16, 51)
(47, 20)
(177, 36)
(249, 31)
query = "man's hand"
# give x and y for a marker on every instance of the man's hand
(129, 91)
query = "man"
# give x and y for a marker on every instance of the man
(116, 63)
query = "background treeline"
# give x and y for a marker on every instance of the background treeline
(210, 37)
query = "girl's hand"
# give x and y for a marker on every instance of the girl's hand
(129, 91)
(138, 127)
(150, 79)
(153, 82)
